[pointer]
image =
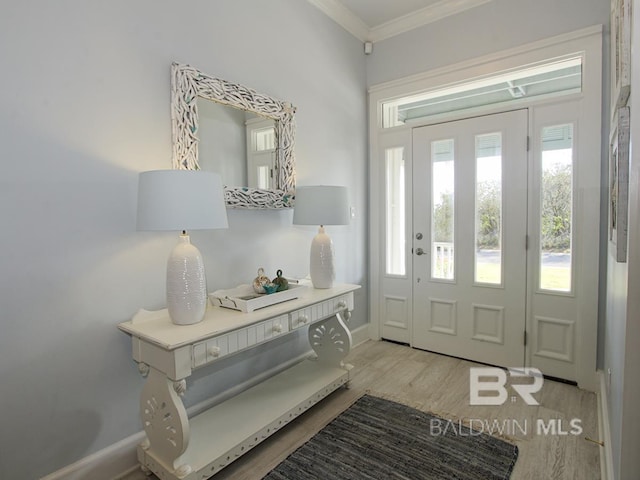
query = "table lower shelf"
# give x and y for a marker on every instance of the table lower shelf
(225, 432)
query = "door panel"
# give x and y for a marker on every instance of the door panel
(469, 238)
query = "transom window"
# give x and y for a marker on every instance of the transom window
(553, 78)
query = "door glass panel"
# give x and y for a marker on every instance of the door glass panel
(442, 210)
(556, 208)
(395, 211)
(261, 137)
(264, 139)
(263, 177)
(488, 209)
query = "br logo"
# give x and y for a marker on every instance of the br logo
(487, 385)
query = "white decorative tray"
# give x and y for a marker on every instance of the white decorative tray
(243, 297)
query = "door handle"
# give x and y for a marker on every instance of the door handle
(419, 251)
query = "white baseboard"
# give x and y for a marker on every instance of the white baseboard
(110, 463)
(120, 459)
(604, 428)
(360, 335)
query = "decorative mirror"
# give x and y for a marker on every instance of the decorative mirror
(187, 86)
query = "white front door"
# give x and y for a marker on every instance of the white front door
(459, 306)
(469, 238)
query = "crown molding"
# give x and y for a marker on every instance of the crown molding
(424, 16)
(344, 17)
(354, 25)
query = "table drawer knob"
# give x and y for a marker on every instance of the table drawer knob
(303, 319)
(277, 328)
(214, 351)
(342, 305)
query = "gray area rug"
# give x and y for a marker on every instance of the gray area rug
(379, 439)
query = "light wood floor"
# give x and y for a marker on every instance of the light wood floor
(440, 385)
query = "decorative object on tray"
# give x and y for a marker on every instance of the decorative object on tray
(244, 298)
(182, 200)
(321, 205)
(281, 282)
(260, 281)
(270, 288)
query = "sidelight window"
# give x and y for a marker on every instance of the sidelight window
(395, 211)
(556, 208)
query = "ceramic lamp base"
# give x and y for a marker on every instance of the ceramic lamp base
(321, 263)
(186, 284)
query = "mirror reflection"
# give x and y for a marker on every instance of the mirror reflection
(237, 144)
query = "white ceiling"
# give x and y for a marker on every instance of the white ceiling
(374, 20)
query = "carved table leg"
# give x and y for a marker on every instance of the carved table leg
(331, 340)
(165, 420)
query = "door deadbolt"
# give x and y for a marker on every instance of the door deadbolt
(418, 236)
(419, 251)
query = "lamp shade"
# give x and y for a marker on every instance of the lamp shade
(180, 200)
(321, 205)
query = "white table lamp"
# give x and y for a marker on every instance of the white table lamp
(321, 205)
(182, 200)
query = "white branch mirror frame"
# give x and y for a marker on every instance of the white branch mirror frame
(187, 84)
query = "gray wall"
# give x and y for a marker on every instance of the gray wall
(622, 337)
(84, 107)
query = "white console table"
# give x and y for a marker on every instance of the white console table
(177, 447)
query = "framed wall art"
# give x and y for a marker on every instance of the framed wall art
(619, 183)
(620, 53)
